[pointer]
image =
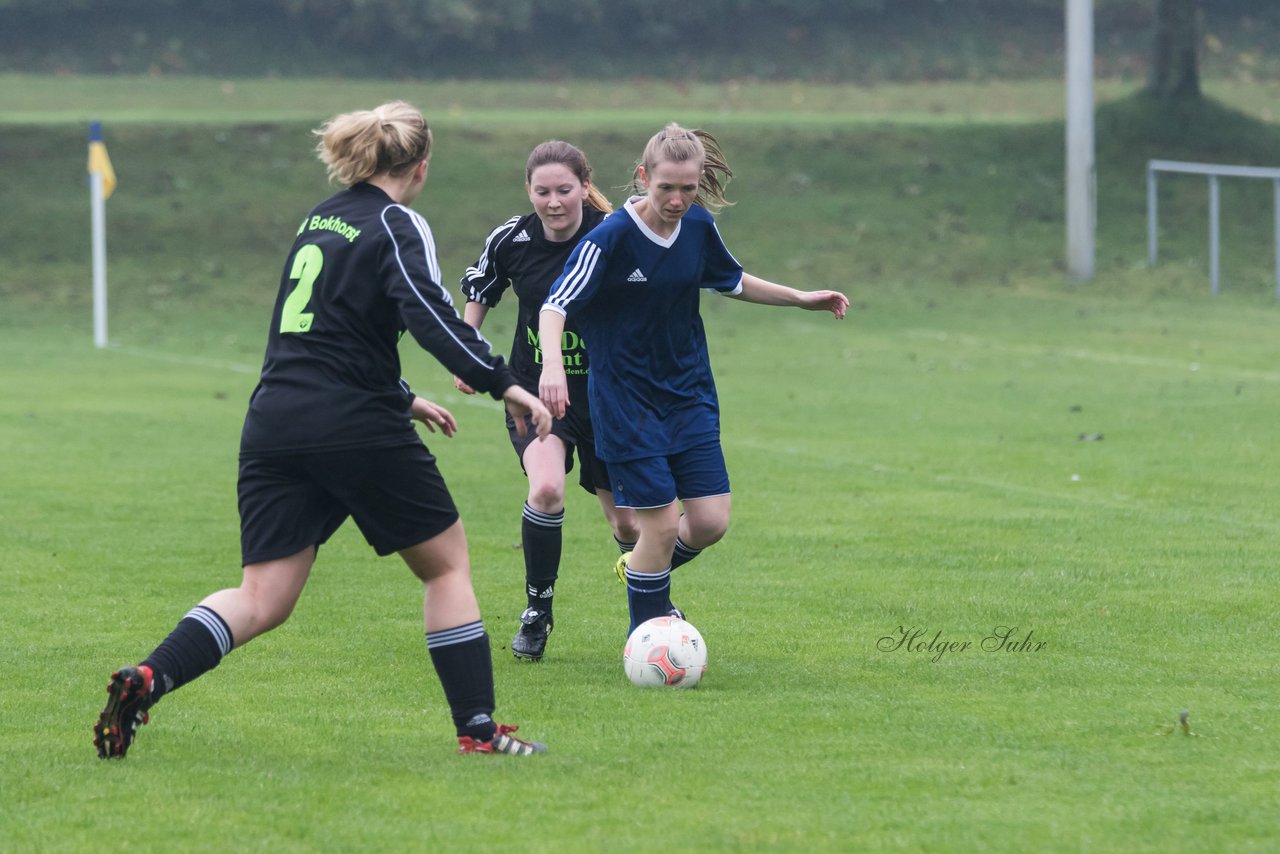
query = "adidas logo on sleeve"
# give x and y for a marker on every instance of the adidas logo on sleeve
(522, 237)
(637, 276)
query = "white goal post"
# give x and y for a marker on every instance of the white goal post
(1213, 171)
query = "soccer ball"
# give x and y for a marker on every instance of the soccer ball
(665, 651)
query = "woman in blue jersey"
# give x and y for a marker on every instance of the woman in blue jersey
(329, 435)
(526, 254)
(632, 286)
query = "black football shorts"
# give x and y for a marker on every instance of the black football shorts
(576, 433)
(396, 495)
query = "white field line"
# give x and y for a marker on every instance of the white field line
(1084, 354)
(1091, 500)
(182, 359)
(452, 396)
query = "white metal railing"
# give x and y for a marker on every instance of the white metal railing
(1214, 172)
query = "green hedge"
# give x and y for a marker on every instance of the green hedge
(807, 39)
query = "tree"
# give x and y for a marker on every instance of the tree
(1175, 73)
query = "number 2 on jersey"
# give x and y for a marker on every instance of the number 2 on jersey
(306, 269)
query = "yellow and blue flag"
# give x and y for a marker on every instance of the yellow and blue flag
(99, 162)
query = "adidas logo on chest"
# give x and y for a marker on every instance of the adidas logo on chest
(522, 237)
(637, 276)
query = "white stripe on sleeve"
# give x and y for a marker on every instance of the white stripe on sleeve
(433, 270)
(576, 279)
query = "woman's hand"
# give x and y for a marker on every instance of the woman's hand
(434, 416)
(553, 389)
(520, 404)
(832, 301)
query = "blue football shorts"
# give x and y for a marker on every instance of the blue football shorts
(652, 482)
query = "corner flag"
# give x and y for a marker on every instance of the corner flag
(102, 180)
(99, 162)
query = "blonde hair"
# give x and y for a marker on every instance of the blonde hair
(390, 139)
(676, 145)
(571, 157)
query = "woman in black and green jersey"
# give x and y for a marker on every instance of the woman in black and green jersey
(525, 255)
(329, 434)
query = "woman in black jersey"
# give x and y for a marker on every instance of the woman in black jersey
(329, 434)
(527, 253)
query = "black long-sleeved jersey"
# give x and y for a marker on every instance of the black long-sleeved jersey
(362, 270)
(518, 255)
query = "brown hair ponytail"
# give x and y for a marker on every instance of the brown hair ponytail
(571, 157)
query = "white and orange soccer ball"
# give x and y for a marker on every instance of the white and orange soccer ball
(665, 651)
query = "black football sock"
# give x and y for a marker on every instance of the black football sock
(465, 666)
(683, 553)
(540, 536)
(623, 546)
(195, 646)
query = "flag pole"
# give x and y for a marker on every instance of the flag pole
(96, 202)
(102, 181)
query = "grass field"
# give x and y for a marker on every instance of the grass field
(981, 444)
(45, 100)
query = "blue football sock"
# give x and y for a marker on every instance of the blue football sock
(648, 595)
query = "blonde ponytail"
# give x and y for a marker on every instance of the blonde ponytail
(677, 145)
(390, 139)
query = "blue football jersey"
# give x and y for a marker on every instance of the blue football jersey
(634, 297)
